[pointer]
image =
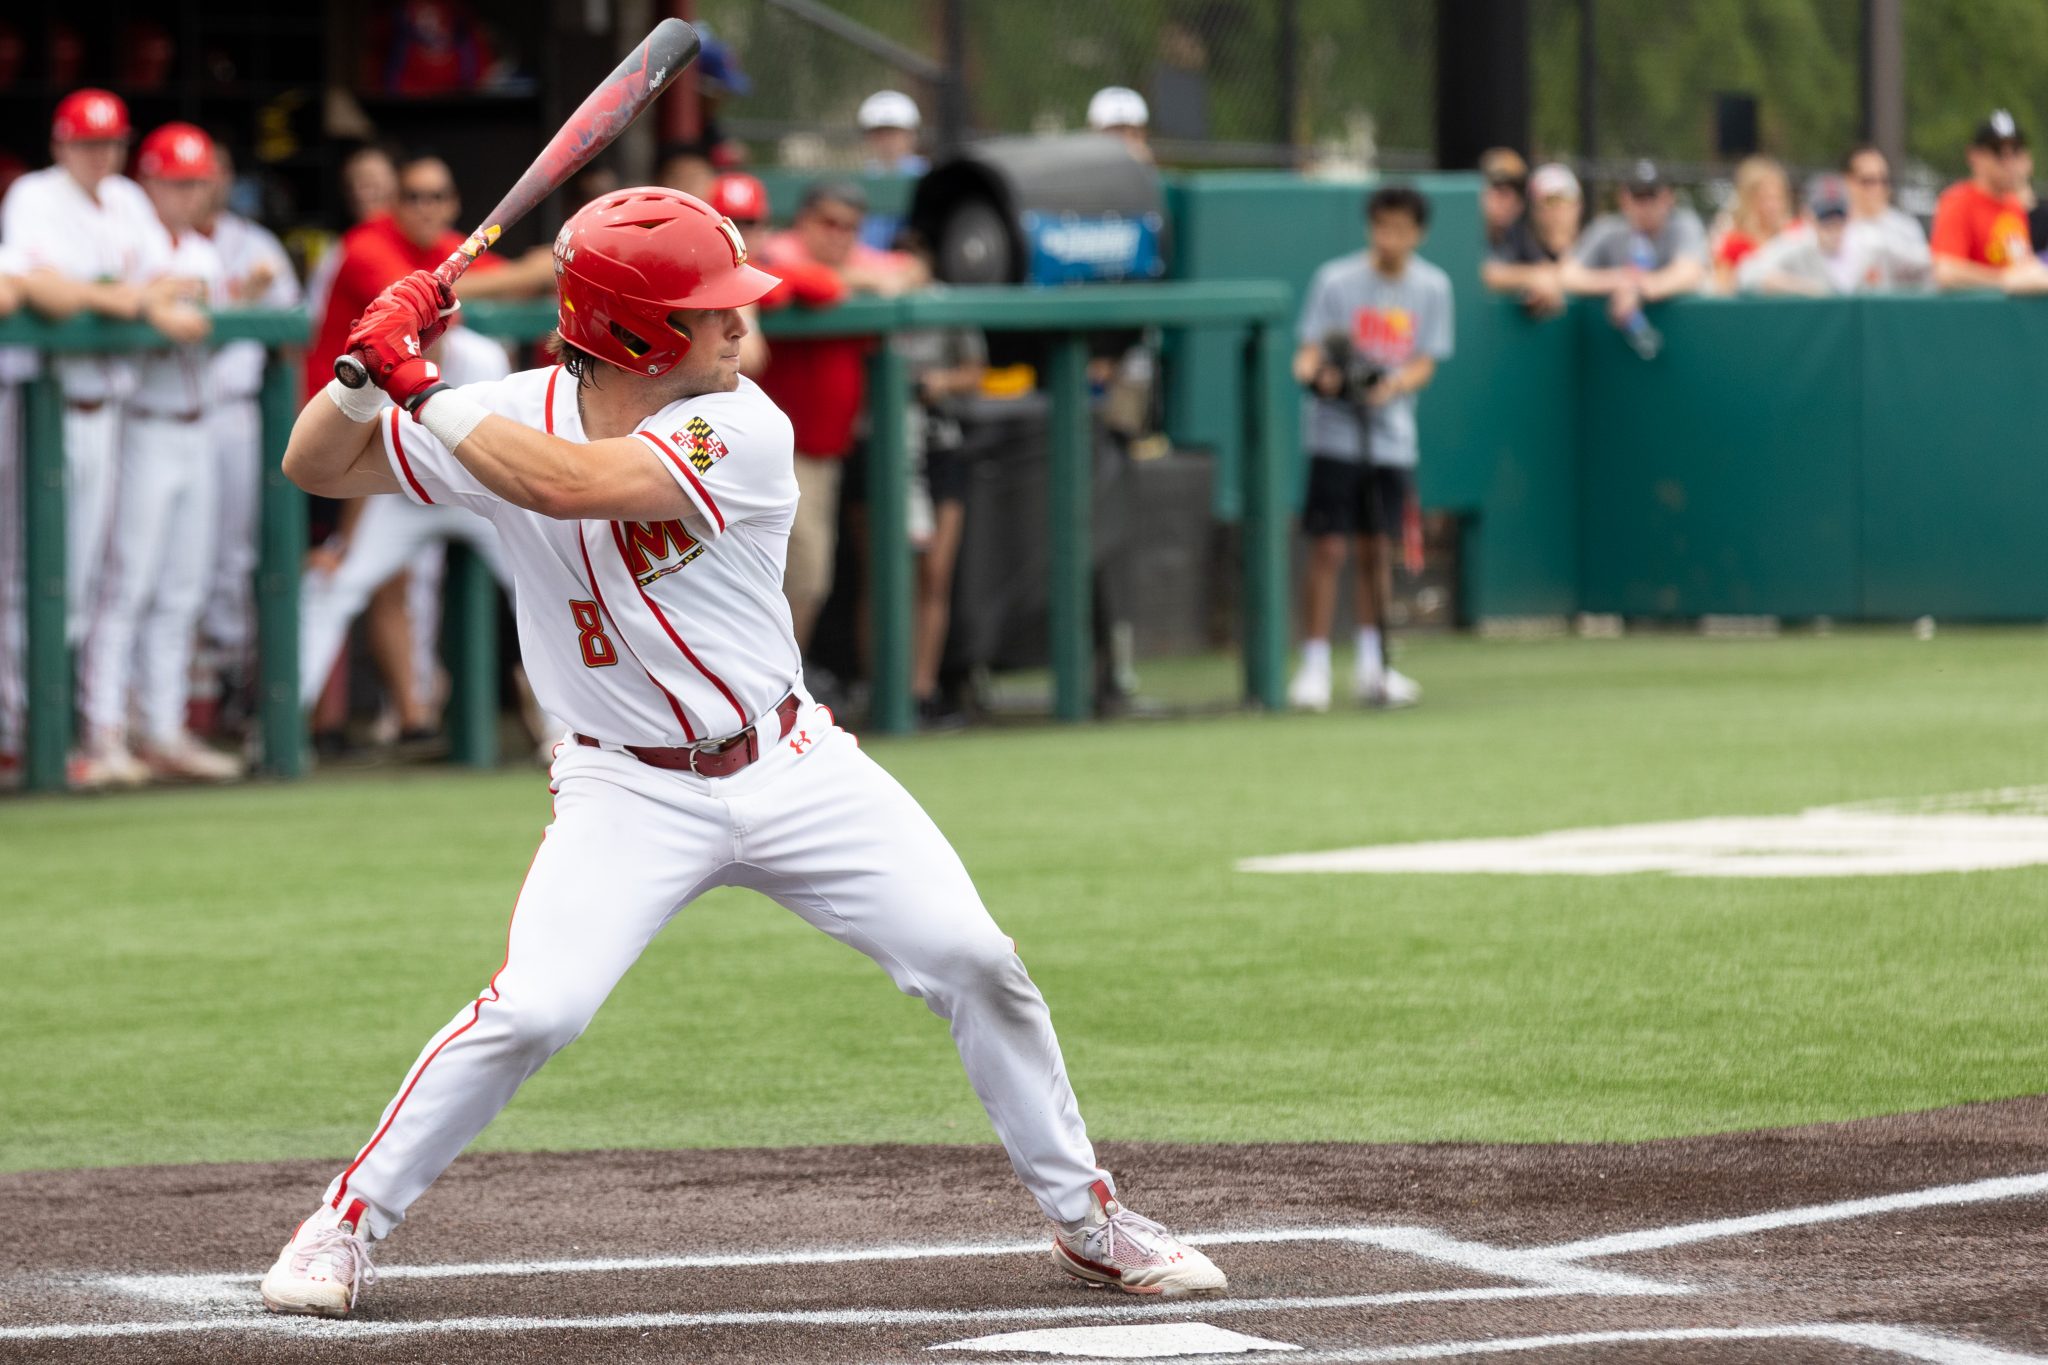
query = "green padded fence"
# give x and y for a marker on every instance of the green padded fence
(1875, 458)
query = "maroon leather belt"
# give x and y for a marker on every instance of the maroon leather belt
(85, 404)
(719, 758)
(185, 417)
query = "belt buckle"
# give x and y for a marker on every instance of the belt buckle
(749, 737)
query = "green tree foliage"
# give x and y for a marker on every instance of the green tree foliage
(1660, 64)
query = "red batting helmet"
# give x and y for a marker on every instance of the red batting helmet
(740, 198)
(628, 260)
(89, 116)
(176, 151)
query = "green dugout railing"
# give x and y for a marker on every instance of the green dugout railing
(282, 547)
(1259, 310)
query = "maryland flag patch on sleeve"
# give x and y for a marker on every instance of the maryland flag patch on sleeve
(700, 444)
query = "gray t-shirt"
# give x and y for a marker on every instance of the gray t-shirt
(1389, 322)
(1610, 243)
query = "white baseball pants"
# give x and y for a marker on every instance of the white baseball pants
(159, 562)
(425, 573)
(235, 427)
(814, 825)
(92, 463)
(389, 534)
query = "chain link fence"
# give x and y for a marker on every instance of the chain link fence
(1351, 83)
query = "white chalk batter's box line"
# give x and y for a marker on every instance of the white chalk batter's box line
(227, 1301)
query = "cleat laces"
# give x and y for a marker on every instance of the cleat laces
(343, 1249)
(1136, 1236)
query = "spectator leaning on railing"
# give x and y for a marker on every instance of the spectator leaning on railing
(255, 273)
(1891, 243)
(1762, 210)
(1980, 238)
(417, 233)
(54, 297)
(138, 652)
(1652, 250)
(85, 223)
(1813, 257)
(1504, 199)
(1525, 260)
(821, 381)
(744, 199)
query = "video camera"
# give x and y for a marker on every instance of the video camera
(1360, 371)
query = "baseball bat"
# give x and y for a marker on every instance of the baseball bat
(605, 113)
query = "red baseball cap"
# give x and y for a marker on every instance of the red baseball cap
(89, 115)
(177, 151)
(741, 198)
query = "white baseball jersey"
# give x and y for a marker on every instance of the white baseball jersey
(50, 218)
(242, 246)
(18, 364)
(174, 381)
(642, 633)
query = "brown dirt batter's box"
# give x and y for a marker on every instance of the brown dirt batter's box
(1773, 1250)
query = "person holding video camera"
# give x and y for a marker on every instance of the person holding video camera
(1374, 327)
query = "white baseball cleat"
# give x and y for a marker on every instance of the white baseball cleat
(1390, 689)
(105, 763)
(1310, 690)
(1118, 1248)
(323, 1268)
(183, 756)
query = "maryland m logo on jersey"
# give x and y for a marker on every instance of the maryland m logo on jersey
(648, 546)
(700, 444)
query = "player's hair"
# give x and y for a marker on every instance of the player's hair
(1861, 148)
(573, 358)
(1398, 199)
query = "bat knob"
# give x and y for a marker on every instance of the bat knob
(350, 372)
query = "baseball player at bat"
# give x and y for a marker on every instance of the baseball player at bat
(643, 493)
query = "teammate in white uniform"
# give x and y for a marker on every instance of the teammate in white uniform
(255, 273)
(644, 494)
(17, 366)
(85, 221)
(392, 533)
(54, 297)
(160, 552)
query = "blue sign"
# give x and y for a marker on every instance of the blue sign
(1084, 248)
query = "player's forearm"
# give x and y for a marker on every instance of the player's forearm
(1414, 377)
(1505, 277)
(334, 456)
(1580, 279)
(1682, 276)
(617, 479)
(1954, 272)
(522, 277)
(110, 298)
(51, 295)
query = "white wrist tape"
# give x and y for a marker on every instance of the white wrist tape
(451, 416)
(358, 405)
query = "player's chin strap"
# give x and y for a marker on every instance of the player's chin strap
(451, 417)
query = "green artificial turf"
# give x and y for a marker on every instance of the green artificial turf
(247, 973)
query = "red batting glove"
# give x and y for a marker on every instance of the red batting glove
(387, 341)
(421, 296)
(394, 332)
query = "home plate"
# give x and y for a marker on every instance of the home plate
(1141, 1342)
